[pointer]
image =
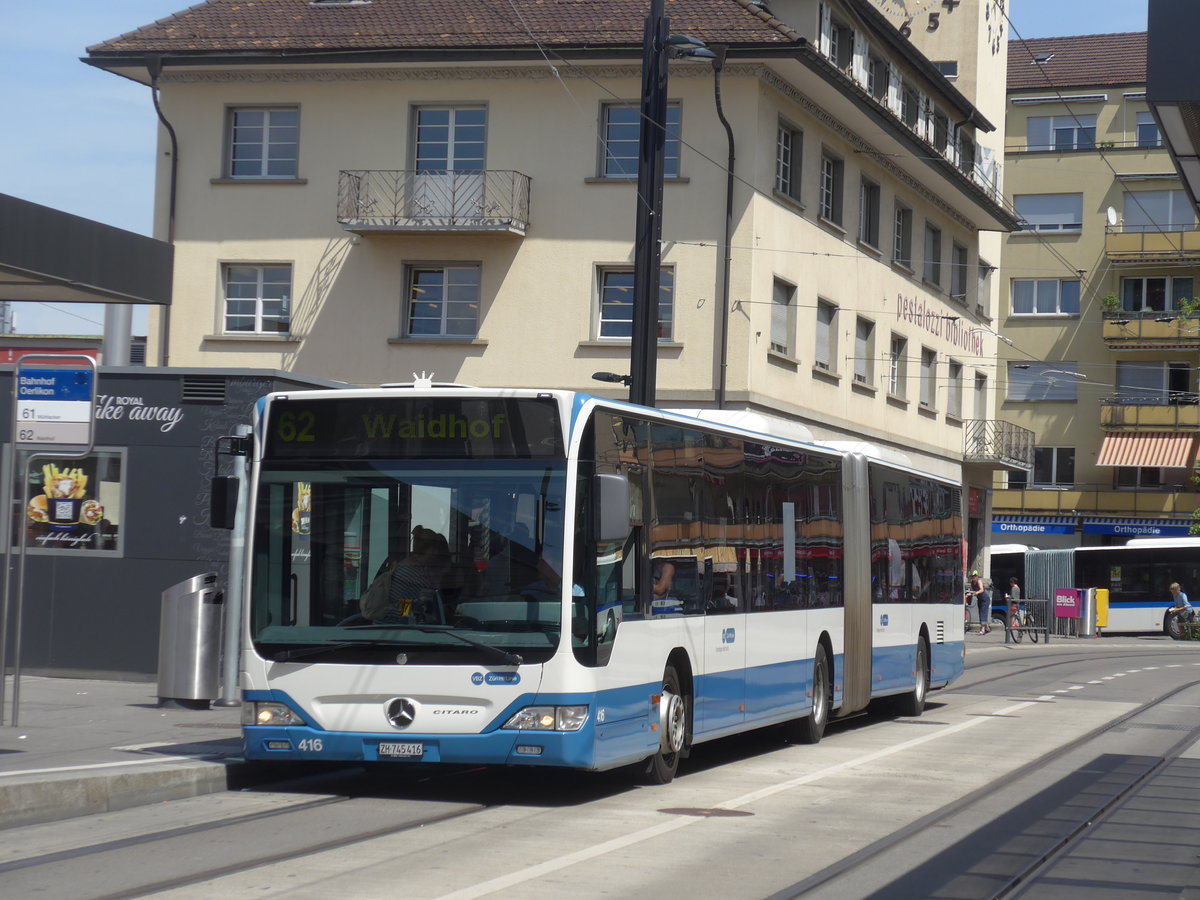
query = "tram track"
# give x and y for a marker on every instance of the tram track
(1017, 885)
(1019, 882)
(346, 819)
(965, 685)
(356, 805)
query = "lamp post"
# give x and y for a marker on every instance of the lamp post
(647, 252)
(657, 44)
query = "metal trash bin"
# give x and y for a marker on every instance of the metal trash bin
(189, 643)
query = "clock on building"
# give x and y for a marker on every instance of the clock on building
(929, 12)
(996, 18)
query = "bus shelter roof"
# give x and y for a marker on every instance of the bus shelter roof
(48, 255)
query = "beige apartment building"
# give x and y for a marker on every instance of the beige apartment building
(1099, 287)
(365, 190)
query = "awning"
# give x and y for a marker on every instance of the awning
(1150, 448)
(1033, 524)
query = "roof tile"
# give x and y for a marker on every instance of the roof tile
(248, 25)
(1086, 60)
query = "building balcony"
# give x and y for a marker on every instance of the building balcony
(372, 201)
(1177, 412)
(997, 445)
(1150, 330)
(1126, 245)
(1170, 501)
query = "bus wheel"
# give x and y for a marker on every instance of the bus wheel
(913, 703)
(811, 728)
(672, 730)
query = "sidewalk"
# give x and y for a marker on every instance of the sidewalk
(85, 746)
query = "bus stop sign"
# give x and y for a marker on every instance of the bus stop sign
(55, 403)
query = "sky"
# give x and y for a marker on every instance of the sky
(82, 140)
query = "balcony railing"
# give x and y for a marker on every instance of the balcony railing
(374, 200)
(1001, 444)
(1177, 411)
(1128, 244)
(1175, 500)
(1084, 146)
(1150, 329)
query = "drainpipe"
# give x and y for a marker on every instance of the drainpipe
(723, 306)
(154, 67)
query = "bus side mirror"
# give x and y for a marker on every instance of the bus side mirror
(223, 502)
(612, 505)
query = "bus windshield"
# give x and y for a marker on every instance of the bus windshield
(408, 561)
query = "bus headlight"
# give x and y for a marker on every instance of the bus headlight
(269, 714)
(549, 718)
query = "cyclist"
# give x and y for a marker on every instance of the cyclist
(1179, 604)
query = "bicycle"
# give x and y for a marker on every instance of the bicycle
(1021, 621)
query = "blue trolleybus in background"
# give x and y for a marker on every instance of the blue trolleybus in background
(522, 577)
(1137, 574)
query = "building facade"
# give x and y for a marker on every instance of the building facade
(362, 191)
(1099, 302)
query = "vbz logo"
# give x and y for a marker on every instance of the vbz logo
(728, 636)
(883, 620)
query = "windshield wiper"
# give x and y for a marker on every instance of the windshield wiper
(505, 656)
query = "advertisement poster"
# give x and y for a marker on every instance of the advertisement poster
(1068, 603)
(74, 504)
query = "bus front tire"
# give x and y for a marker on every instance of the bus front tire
(811, 728)
(661, 767)
(912, 704)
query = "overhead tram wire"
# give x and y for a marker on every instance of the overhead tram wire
(1098, 150)
(582, 71)
(552, 56)
(547, 54)
(1066, 103)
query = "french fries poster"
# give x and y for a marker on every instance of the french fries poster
(62, 508)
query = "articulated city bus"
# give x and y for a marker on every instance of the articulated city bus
(549, 578)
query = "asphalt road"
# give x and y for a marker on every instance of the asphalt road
(1046, 771)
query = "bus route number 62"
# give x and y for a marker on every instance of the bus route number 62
(296, 427)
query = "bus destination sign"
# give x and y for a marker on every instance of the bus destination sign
(413, 427)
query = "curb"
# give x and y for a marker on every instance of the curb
(54, 796)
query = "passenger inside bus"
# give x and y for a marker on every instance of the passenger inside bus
(664, 575)
(409, 588)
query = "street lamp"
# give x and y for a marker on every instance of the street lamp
(647, 252)
(612, 378)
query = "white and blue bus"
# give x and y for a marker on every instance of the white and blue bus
(526, 577)
(1137, 575)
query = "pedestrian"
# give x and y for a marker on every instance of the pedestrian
(983, 601)
(1014, 590)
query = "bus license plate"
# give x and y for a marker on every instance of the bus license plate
(401, 751)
